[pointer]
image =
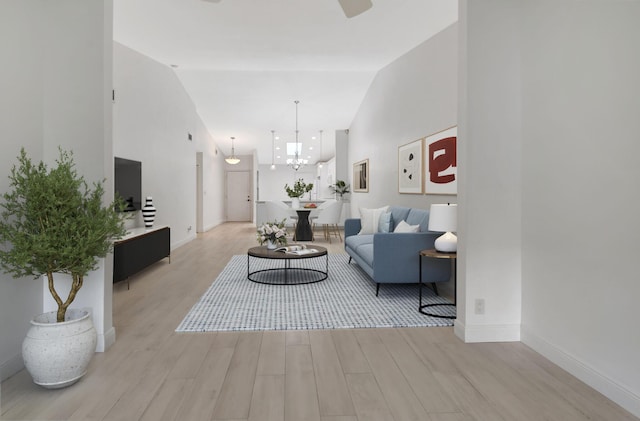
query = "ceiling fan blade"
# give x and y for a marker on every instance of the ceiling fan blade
(353, 8)
(212, 1)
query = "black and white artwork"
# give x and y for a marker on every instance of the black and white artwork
(410, 157)
(361, 176)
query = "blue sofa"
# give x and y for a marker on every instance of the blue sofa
(394, 257)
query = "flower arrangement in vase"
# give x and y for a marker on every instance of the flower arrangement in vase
(299, 188)
(272, 233)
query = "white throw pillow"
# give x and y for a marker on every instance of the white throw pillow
(404, 227)
(369, 219)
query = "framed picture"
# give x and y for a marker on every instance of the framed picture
(442, 162)
(361, 176)
(410, 157)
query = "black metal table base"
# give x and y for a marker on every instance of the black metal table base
(442, 316)
(288, 275)
(421, 306)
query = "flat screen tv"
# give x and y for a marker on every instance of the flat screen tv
(128, 182)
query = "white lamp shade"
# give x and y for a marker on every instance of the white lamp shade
(443, 218)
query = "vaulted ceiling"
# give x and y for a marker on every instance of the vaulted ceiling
(245, 62)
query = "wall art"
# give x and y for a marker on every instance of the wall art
(410, 157)
(361, 176)
(442, 162)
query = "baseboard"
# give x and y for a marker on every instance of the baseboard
(105, 341)
(486, 333)
(208, 227)
(11, 366)
(603, 384)
(183, 242)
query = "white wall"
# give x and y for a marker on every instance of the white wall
(213, 185)
(55, 88)
(413, 97)
(581, 196)
(489, 184)
(20, 126)
(153, 116)
(56, 91)
(77, 117)
(554, 100)
(343, 167)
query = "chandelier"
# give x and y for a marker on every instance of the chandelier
(296, 163)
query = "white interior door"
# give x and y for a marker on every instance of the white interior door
(239, 196)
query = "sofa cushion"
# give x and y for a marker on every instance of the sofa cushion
(355, 241)
(365, 251)
(385, 222)
(404, 227)
(419, 217)
(398, 213)
(369, 219)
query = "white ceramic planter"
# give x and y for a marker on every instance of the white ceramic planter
(295, 203)
(58, 354)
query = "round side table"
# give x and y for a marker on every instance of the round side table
(434, 254)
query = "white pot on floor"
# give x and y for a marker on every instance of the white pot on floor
(58, 354)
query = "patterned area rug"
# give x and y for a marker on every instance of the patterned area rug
(346, 299)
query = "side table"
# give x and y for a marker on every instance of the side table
(434, 254)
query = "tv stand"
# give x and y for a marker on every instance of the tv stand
(140, 248)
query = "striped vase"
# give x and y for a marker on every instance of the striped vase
(148, 212)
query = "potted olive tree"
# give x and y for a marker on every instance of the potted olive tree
(299, 188)
(53, 223)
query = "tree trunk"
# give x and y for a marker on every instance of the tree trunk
(62, 306)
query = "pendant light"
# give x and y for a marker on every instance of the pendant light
(273, 149)
(233, 159)
(296, 163)
(319, 160)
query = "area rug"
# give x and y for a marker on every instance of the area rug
(346, 299)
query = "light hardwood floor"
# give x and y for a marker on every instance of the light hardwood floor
(153, 373)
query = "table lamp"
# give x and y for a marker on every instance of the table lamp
(443, 218)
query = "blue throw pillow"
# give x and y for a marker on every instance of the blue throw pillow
(385, 222)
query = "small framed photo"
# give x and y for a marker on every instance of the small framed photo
(361, 176)
(442, 162)
(410, 158)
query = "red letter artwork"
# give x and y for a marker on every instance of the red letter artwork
(442, 155)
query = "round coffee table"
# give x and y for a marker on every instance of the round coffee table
(286, 274)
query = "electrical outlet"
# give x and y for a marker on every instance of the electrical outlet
(479, 309)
